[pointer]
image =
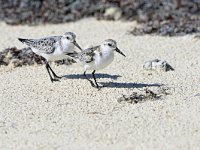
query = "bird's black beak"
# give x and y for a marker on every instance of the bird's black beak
(76, 44)
(117, 50)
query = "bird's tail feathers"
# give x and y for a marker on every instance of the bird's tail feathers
(73, 55)
(28, 42)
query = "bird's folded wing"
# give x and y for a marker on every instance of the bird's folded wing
(87, 55)
(45, 45)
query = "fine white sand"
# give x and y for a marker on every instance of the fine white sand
(36, 114)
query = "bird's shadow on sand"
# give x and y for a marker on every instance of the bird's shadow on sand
(128, 85)
(112, 84)
(102, 75)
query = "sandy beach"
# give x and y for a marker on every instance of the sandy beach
(36, 114)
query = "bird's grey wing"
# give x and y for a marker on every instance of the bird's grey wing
(87, 55)
(44, 45)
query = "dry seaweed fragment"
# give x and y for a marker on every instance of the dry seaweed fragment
(24, 57)
(147, 94)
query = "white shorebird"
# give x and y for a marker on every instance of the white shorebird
(53, 48)
(96, 58)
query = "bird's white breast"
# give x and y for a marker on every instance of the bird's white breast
(66, 46)
(101, 60)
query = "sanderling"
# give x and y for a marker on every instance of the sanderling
(53, 48)
(96, 58)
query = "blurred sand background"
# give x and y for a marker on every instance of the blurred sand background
(36, 114)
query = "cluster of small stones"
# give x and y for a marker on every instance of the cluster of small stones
(48, 11)
(24, 57)
(168, 17)
(160, 17)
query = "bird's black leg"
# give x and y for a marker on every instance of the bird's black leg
(93, 74)
(88, 79)
(54, 74)
(47, 67)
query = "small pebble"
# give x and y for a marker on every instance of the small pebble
(113, 12)
(158, 65)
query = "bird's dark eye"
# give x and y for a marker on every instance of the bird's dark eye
(109, 44)
(67, 37)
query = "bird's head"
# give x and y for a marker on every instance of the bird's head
(71, 38)
(111, 45)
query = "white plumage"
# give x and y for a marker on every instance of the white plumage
(53, 48)
(96, 58)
